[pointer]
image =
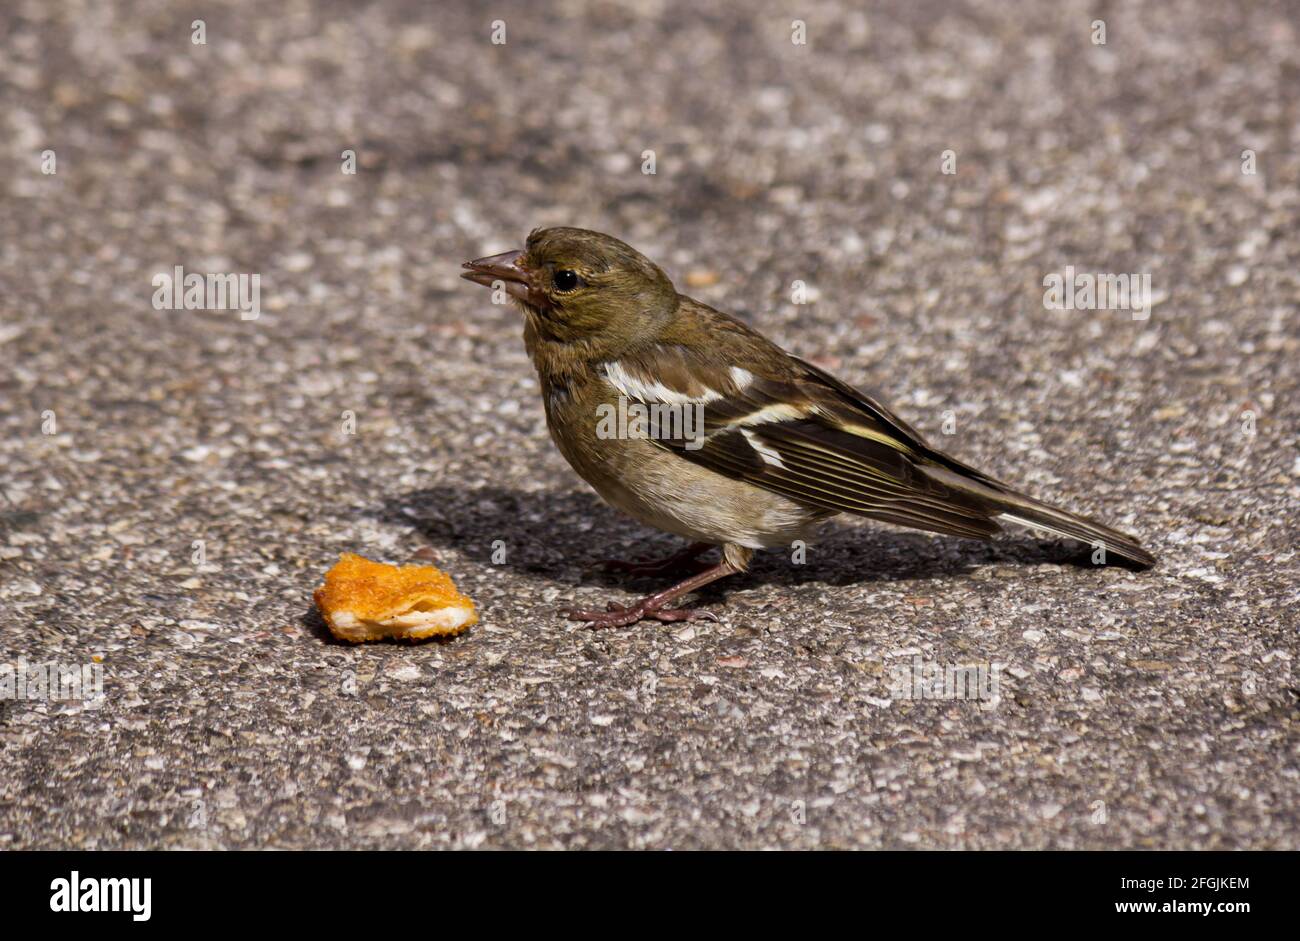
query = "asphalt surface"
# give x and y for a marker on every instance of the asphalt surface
(1154, 709)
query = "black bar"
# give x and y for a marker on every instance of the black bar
(949, 891)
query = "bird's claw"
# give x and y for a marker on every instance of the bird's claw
(617, 615)
(668, 615)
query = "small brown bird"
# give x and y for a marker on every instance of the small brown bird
(689, 421)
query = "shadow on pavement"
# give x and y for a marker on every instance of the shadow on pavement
(564, 535)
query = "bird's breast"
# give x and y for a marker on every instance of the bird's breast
(606, 442)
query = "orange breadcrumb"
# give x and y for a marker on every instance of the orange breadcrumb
(363, 600)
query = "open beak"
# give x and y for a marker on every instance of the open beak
(504, 268)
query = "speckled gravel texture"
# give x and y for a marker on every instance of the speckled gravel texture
(1153, 709)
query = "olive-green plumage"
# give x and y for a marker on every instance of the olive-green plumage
(782, 446)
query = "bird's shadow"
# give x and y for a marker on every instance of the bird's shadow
(563, 535)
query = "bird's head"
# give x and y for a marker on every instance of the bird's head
(577, 284)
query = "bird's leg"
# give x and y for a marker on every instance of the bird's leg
(653, 607)
(682, 560)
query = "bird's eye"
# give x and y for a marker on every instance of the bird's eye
(565, 280)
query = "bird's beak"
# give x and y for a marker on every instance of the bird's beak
(505, 268)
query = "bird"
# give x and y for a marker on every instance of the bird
(690, 421)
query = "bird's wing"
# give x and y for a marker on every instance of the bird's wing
(861, 401)
(804, 435)
(972, 489)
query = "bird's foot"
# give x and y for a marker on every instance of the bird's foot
(617, 615)
(655, 607)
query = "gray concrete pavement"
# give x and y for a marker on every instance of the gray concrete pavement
(1152, 709)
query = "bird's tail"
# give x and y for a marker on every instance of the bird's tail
(1021, 510)
(1030, 513)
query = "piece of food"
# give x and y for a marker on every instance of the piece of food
(363, 600)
